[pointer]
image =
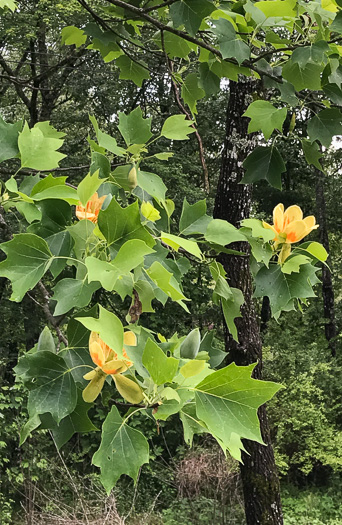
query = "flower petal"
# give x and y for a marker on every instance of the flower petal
(97, 354)
(130, 339)
(295, 231)
(270, 227)
(90, 375)
(310, 223)
(128, 389)
(114, 367)
(278, 217)
(93, 389)
(292, 213)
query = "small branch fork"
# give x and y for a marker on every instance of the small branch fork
(50, 318)
(188, 116)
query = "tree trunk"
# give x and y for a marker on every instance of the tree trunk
(327, 285)
(233, 203)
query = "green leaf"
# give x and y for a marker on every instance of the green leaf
(77, 421)
(54, 188)
(29, 211)
(119, 225)
(282, 288)
(192, 368)
(229, 43)
(134, 128)
(191, 425)
(177, 127)
(194, 219)
(106, 141)
(325, 125)
(306, 78)
(208, 81)
(9, 134)
(152, 184)
(337, 23)
(293, 263)
(227, 403)
(313, 54)
(191, 92)
(222, 288)
(190, 13)
(49, 380)
(178, 242)
(334, 93)
(123, 450)
(83, 237)
(28, 258)
(231, 310)
(264, 163)
(312, 153)
(70, 293)
(216, 355)
(130, 255)
(175, 46)
(223, 233)
(109, 328)
(88, 186)
(265, 117)
(167, 283)
(46, 342)
(72, 35)
(318, 251)
(10, 4)
(161, 368)
(38, 147)
(130, 70)
(258, 229)
(191, 344)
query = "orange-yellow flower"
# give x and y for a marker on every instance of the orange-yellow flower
(109, 363)
(92, 209)
(289, 225)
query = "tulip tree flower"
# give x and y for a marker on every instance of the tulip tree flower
(289, 227)
(108, 363)
(92, 209)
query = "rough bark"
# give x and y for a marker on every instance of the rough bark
(233, 202)
(327, 284)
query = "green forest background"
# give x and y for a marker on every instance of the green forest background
(38, 484)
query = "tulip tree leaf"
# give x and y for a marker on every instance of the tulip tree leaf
(70, 293)
(130, 70)
(325, 125)
(227, 403)
(50, 384)
(231, 310)
(229, 43)
(191, 92)
(123, 450)
(119, 225)
(167, 283)
(134, 128)
(303, 78)
(107, 142)
(312, 153)
(191, 424)
(161, 368)
(38, 147)
(10, 4)
(177, 127)
(9, 134)
(130, 255)
(152, 184)
(282, 288)
(109, 328)
(88, 186)
(178, 242)
(194, 218)
(190, 13)
(265, 162)
(265, 117)
(72, 35)
(223, 233)
(28, 258)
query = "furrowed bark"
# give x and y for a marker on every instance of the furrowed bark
(233, 202)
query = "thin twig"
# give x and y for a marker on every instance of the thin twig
(53, 320)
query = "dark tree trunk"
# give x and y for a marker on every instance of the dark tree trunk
(233, 203)
(327, 285)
